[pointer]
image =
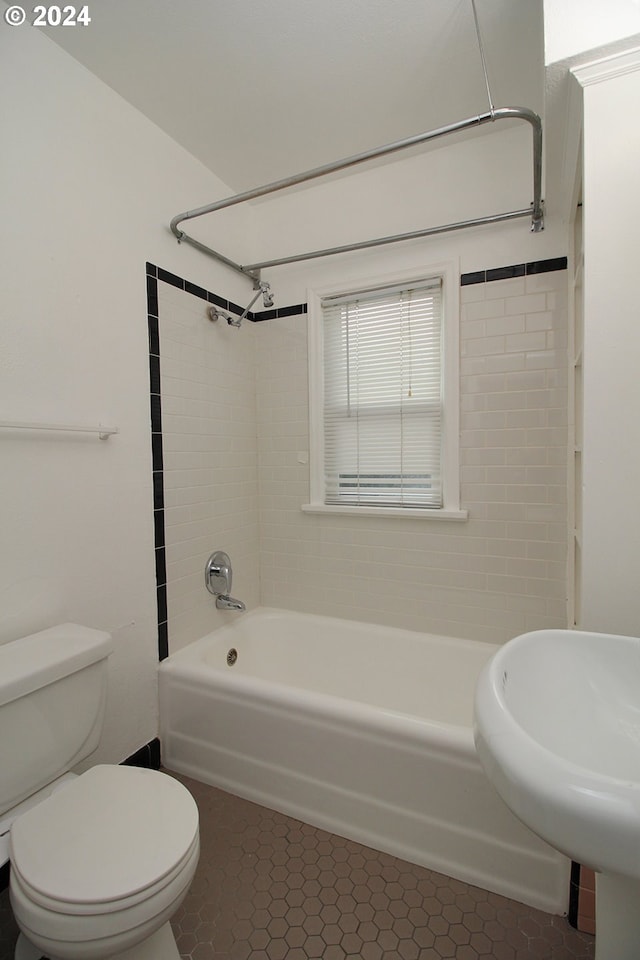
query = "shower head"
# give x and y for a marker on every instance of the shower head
(267, 296)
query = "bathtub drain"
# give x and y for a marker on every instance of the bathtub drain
(232, 656)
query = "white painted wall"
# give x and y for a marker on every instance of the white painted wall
(572, 27)
(483, 174)
(611, 458)
(88, 188)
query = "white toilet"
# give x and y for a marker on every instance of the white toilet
(100, 861)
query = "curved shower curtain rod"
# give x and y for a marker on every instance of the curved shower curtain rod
(252, 270)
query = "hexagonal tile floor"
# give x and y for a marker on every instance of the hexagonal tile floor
(272, 888)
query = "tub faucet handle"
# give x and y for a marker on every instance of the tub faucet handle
(218, 574)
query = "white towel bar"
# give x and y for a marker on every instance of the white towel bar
(103, 432)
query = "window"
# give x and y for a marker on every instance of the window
(379, 400)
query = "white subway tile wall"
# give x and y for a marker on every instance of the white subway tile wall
(498, 574)
(210, 459)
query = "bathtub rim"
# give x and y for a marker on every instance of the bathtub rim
(333, 710)
(285, 613)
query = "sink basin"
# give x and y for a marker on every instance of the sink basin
(557, 730)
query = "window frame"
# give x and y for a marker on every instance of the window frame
(450, 275)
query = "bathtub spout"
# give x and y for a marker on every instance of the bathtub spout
(224, 602)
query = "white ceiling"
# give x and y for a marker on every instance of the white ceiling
(260, 89)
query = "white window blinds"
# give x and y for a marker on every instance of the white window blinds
(383, 397)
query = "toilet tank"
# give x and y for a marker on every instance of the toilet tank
(53, 687)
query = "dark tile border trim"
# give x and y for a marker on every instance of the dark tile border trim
(209, 297)
(574, 894)
(147, 756)
(515, 270)
(292, 311)
(153, 274)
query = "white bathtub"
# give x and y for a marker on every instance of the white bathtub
(361, 730)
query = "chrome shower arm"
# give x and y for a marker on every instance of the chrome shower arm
(260, 293)
(264, 290)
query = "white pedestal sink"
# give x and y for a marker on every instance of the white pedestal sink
(557, 730)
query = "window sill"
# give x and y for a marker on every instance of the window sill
(398, 513)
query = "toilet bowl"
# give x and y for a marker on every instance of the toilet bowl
(99, 866)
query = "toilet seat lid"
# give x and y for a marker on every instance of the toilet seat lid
(108, 835)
